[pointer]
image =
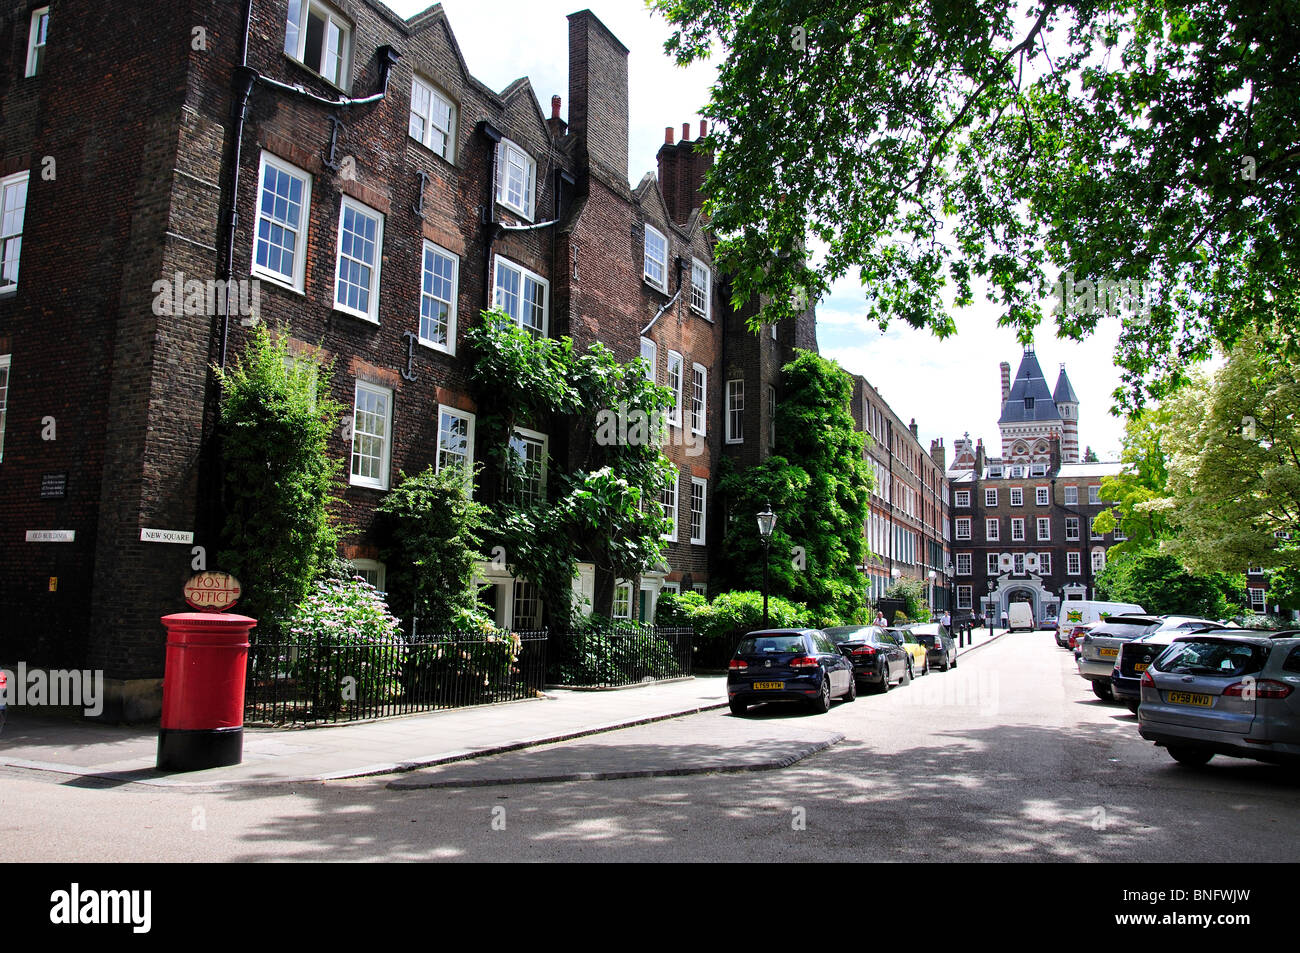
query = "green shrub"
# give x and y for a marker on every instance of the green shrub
(912, 593)
(347, 648)
(601, 651)
(722, 624)
(468, 667)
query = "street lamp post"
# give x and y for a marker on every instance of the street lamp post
(766, 524)
(932, 575)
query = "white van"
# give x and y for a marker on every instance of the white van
(1020, 616)
(1083, 611)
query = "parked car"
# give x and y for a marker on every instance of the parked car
(4, 695)
(917, 656)
(1225, 691)
(1099, 650)
(1020, 617)
(1082, 611)
(788, 665)
(1136, 655)
(878, 658)
(1077, 633)
(940, 647)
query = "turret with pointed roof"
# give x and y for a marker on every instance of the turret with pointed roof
(1067, 405)
(1030, 415)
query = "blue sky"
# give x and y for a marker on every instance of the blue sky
(950, 387)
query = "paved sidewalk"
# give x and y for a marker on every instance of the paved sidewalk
(117, 754)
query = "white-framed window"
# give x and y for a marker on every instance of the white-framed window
(1094, 493)
(1071, 496)
(1098, 560)
(699, 493)
(1119, 531)
(1044, 528)
(455, 439)
(991, 563)
(650, 354)
(1073, 564)
(963, 564)
(656, 258)
(701, 587)
(1071, 527)
(529, 482)
(372, 571)
(36, 34)
(433, 119)
(670, 587)
(962, 498)
(4, 399)
(771, 329)
(1041, 495)
(1017, 496)
(1038, 469)
(1256, 599)
(995, 473)
(516, 178)
(1017, 472)
(699, 398)
(701, 288)
(771, 416)
(280, 232)
(1092, 533)
(526, 612)
(990, 496)
(361, 242)
(1018, 530)
(13, 207)
(622, 608)
(372, 428)
(991, 530)
(440, 277)
(1018, 563)
(318, 38)
(1045, 564)
(669, 504)
(963, 527)
(963, 597)
(735, 411)
(675, 384)
(523, 295)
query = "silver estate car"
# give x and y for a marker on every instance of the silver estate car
(1225, 691)
(1100, 649)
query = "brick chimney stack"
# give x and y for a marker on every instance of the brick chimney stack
(1006, 380)
(557, 125)
(682, 168)
(598, 97)
(939, 455)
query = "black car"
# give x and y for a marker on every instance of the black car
(788, 665)
(878, 658)
(940, 647)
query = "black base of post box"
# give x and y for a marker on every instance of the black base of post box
(190, 750)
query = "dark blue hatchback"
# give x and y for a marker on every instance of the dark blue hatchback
(788, 665)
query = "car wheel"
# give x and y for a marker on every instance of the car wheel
(907, 676)
(1102, 690)
(954, 658)
(926, 670)
(852, 693)
(822, 704)
(1191, 757)
(884, 680)
(947, 662)
(738, 707)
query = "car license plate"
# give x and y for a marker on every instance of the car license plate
(777, 685)
(1140, 667)
(1109, 653)
(1183, 698)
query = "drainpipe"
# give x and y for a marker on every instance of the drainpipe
(492, 228)
(243, 90)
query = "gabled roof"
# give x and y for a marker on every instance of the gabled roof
(1029, 384)
(1064, 393)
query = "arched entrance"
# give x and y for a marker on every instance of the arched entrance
(1019, 594)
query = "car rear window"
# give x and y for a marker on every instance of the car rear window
(1212, 657)
(849, 633)
(1123, 630)
(772, 644)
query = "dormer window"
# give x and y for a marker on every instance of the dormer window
(433, 119)
(516, 178)
(318, 38)
(1029, 403)
(656, 258)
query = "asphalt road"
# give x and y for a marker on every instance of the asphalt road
(1009, 757)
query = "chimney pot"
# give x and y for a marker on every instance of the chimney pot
(704, 131)
(686, 131)
(555, 107)
(668, 135)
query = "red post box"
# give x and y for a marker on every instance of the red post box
(203, 690)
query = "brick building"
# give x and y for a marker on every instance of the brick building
(907, 529)
(1022, 521)
(345, 164)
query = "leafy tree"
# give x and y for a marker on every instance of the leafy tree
(1159, 584)
(279, 479)
(819, 486)
(433, 535)
(929, 144)
(913, 594)
(1140, 485)
(1234, 473)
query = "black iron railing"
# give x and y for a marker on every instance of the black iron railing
(316, 679)
(625, 654)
